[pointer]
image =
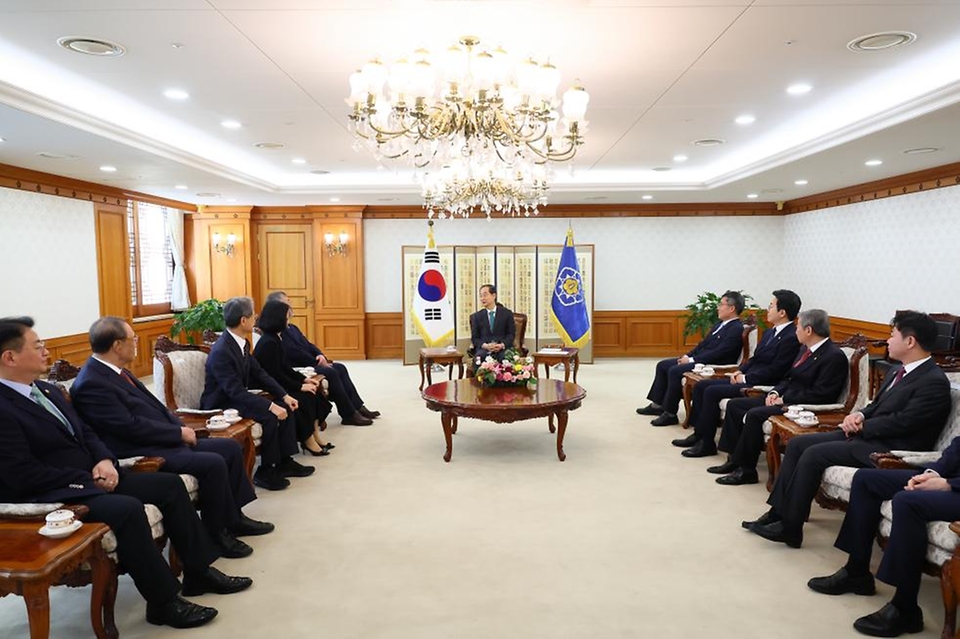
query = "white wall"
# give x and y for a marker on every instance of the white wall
(48, 261)
(867, 260)
(640, 262)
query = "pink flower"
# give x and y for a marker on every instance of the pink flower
(508, 377)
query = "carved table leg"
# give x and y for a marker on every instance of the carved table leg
(773, 457)
(576, 367)
(561, 430)
(421, 372)
(37, 597)
(947, 589)
(459, 368)
(450, 370)
(687, 402)
(427, 366)
(104, 594)
(445, 421)
(566, 370)
(550, 425)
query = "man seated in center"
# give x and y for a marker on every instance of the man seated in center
(492, 328)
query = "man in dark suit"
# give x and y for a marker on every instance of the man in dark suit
(340, 387)
(49, 454)
(131, 421)
(231, 371)
(919, 497)
(723, 345)
(492, 328)
(816, 377)
(770, 362)
(908, 414)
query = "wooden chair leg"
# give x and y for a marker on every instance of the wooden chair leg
(948, 590)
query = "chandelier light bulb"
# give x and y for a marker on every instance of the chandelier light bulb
(575, 101)
(375, 75)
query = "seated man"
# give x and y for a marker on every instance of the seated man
(723, 345)
(769, 363)
(492, 328)
(341, 390)
(908, 413)
(48, 454)
(919, 497)
(816, 377)
(231, 371)
(131, 421)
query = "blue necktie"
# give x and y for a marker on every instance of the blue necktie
(491, 315)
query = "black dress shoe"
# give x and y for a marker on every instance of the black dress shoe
(231, 547)
(701, 449)
(665, 419)
(369, 414)
(328, 446)
(739, 477)
(179, 613)
(212, 580)
(251, 527)
(768, 517)
(890, 622)
(290, 468)
(777, 532)
(841, 582)
(650, 409)
(725, 468)
(270, 478)
(356, 420)
(686, 442)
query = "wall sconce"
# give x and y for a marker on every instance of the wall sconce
(228, 248)
(340, 248)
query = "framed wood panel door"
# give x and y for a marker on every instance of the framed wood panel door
(286, 264)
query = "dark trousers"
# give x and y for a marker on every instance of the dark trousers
(742, 435)
(905, 554)
(803, 464)
(666, 390)
(217, 463)
(279, 437)
(122, 510)
(705, 413)
(342, 391)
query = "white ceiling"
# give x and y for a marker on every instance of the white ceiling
(661, 73)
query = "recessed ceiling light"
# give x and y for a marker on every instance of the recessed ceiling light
(298, 161)
(269, 146)
(3, 139)
(207, 194)
(230, 124)
(595, 197)
(708, 142)
(922, 149)
(752, 196)
(771, 191)
(176, 94)
(50, 155)
(873, 162)
(91, 46)
(334, 199)
(881, 41)
(646, 197)
(388, 199)
(799, 89)
(176, 45)
(801, 182)
(661, 169)
(745, 119)
(320, 172)
(181, 187)
(680, 158)
(106, 168)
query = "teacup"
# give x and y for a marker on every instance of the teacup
(231, 413)
(218, 421)
(707, 371)
(451, 348)
(806, 415)
(697, 368)
(59, 519)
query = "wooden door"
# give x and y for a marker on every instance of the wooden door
(286, 264)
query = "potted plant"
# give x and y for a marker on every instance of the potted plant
(205, 315)
(702, 314)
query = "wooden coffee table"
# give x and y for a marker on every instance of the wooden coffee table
(785, 429)
(467, 398)
(692, 379)
(31, 563)
(442, 356)
(567, 357)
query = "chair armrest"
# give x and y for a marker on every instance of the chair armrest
(202, 432)
(887, 461)
(38, 512)
(955, 527)
(821, 408)
(754, 391)
(148, 465)
(723, 367)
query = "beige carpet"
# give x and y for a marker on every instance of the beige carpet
(624, 539)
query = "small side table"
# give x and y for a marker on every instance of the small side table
(691, 379)
(567, 357)
(442, 356)
(31, 563)
(785, 429)
(241, 431)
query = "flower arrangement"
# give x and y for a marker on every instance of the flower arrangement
(514, 370)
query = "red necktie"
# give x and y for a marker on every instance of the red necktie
(804, 357)
(125, 375)
(898, 377)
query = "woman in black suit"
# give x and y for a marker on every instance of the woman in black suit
(314, 408)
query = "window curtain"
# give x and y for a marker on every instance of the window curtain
(179, 297)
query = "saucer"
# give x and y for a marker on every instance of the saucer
(57, 533)
(220, 426)
(808, 423)
(233, 420)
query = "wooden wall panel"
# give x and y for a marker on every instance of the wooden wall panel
(148, 332)
(113, 261)
(73, 348)
(384, 335)
(341, 338)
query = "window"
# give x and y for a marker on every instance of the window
(151, 258)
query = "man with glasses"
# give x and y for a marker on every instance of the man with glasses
(723, 345)
(131, 421)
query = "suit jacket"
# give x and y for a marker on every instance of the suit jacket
(773, 357)
(818, 380)
(40, 461)
(230, 372)
(911, 414)
(504, 328)
(723, 348)
(128, 418)
(273, 360)
(299, 350)
(948, 466)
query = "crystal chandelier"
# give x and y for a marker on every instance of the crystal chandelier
(459, 189)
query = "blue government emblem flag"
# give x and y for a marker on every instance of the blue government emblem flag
(568, 306)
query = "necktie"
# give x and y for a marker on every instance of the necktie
(126, 376)
(804, 357)
(491, 315)
(898, 377)
(47, 405)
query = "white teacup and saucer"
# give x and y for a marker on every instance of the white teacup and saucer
(60, 523)
(707, 371)
(232, 415)
(218, 422)
(807, 418)
(793, 412)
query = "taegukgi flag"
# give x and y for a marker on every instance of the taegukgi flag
(568, 306)
(432, 312)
